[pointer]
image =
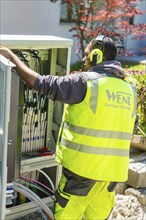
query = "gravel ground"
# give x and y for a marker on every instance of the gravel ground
(127, 208)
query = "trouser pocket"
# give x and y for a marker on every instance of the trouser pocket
(62, 198)
(77, 185)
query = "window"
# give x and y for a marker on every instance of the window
(129, 19)
(67, 13)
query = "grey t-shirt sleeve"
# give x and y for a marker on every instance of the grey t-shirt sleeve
(70, 89)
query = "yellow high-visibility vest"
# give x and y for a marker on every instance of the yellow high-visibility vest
(95, 135)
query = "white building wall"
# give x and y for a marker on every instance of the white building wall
(33, 17)
(133, 44)
(41, 17)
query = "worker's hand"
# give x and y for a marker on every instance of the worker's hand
(7, 53)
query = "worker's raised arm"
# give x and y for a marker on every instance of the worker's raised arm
(28, 75)
(70, 89)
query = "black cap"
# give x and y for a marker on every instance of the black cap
(110, 49)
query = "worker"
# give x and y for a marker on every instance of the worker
(97, 125)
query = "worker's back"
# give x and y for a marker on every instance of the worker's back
(95, 135)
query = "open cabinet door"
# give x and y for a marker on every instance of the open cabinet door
(5, 88)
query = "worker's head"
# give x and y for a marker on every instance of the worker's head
(100, 49)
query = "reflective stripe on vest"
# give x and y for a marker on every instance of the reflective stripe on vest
(95, 150)
(94, 93)
(97, 133)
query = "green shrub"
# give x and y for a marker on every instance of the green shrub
(140, 82)
(77, 66)
(137, 76)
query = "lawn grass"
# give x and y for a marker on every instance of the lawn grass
(134, 67)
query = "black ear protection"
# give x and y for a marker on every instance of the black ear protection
(96, 55)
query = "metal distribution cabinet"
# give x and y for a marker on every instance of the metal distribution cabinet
(46, 55)
(5, 89)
